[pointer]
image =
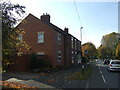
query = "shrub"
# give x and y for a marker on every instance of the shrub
(36, 63)
(32, 63)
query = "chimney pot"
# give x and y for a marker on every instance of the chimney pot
(45, 18)
(66, 30)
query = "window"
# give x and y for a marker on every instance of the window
(40, 37)
(72, 59)
(59, 38)
(72, 56)
(75, 53)
(75, 44)
(20, 37)
(72, 41)
(40, 53)
(59, 56)
(72, 52)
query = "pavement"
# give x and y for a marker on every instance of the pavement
(32, 83)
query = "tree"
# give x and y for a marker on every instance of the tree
(118, 50)
(104, 52)
(110, 41)
(10, 42)
(89, 50)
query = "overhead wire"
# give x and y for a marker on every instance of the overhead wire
(77, 13)
(80, 22)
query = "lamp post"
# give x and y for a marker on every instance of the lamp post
(81, 50)
(81, 34)
(81, 40)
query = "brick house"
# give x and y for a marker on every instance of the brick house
(45, 38)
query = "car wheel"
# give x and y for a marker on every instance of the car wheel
(108, 69)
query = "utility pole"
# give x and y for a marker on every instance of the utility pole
(81, 50)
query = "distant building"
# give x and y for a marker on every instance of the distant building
(45, 38)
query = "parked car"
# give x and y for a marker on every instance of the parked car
(107, 62)
(114, 65)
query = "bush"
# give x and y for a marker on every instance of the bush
(32, 63)
(36, 63)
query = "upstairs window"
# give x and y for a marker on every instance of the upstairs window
(75, 44)
(59, 38)
(59, 56)
(72, 41)
(20, 37)
(79, 45)
(40, 37)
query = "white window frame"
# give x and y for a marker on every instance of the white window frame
(20, 37)
(75, 53)
(40, 37)
(72, 41)
(59, 38)
(79, 45)
(75, 44)
(59, 56)
(72, 59)
(40, 53)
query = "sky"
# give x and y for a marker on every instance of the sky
(97, 18)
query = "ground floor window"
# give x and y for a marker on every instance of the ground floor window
(59, 56)
(40, 53)
(72, 59)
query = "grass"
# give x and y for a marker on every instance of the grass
(80, 75)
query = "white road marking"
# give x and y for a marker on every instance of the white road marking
(87, 85)
(100, 71)
(103, 79)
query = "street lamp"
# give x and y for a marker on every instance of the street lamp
(79, 61)
(81, 50)
(81, 34)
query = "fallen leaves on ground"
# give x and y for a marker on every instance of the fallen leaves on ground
(7, 84)
(51, 81)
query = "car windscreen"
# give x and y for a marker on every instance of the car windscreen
(115, 62)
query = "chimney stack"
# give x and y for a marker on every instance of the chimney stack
(45, 18)
(66, 30)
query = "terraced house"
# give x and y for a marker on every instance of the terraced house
(46, 39)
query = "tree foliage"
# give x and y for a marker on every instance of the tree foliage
(10, 16)
(110, 40)
(89, 50)
(104, 52)
(109, 45)
(118, 50)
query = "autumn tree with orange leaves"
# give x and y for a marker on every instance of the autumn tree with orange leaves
(89, 50)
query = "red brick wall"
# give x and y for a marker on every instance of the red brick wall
(31, 28)
(50, 46)
(21, 63)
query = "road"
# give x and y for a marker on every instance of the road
(101, 78)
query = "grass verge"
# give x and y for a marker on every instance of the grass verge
(80, 76)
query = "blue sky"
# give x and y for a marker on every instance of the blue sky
(97, 18)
